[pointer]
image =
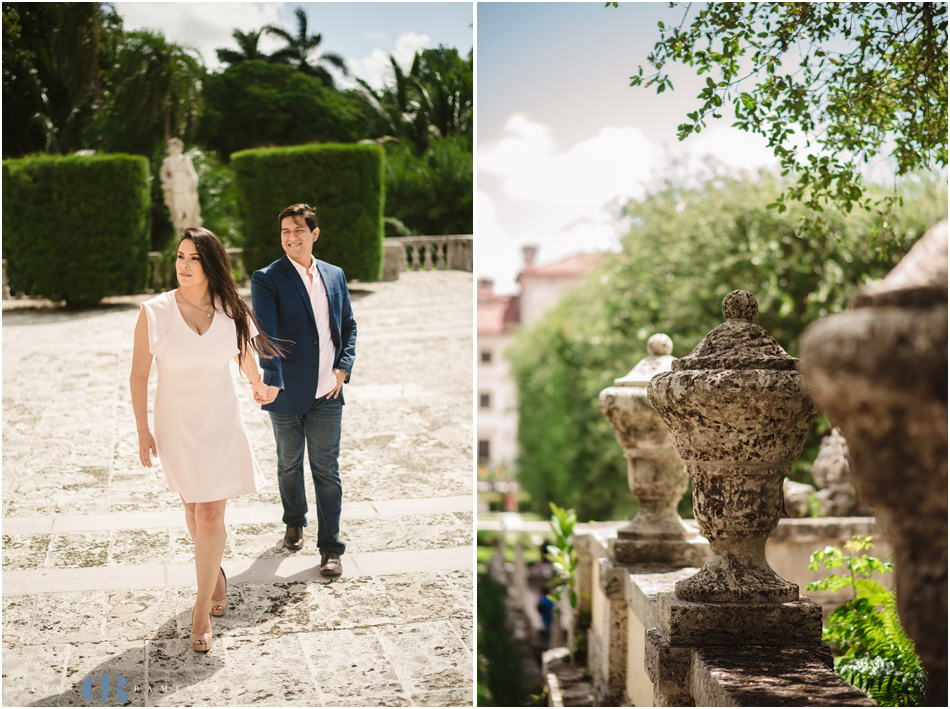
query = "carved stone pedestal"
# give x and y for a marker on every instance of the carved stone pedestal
(685, 623)
(738, 415)
(657, 534)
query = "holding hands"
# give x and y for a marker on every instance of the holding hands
(264, 394)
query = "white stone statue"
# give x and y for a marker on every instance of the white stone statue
(180, 187)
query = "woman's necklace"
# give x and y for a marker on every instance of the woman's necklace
(206, 312)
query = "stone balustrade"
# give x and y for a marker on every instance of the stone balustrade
(657, 534)
(654, 672)
(735, 632)
(426, 253)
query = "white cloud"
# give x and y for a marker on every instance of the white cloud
(375, 69)
(730, 146)
(497, 254)
(614, 163)
(201, 25)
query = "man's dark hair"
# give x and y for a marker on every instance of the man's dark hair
(299, 210)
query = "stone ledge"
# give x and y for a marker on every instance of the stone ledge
(645, 582)
(674, 552)
(819, 528)
(688, 623)
(767, 676)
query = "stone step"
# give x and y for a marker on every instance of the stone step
(268, 570)
(257, 514)
(152, 549)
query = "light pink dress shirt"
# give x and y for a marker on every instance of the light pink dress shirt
(321, 313)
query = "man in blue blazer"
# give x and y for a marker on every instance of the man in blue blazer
(304, 305)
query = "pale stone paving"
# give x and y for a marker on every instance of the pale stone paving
(98, 575)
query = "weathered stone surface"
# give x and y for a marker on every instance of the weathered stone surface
(880, 371)
(796, 498)
(79, 517)
(738, 415)
(685, 623)
(758, 676)
(654, 471)
(831, 471)
(668, 669)
(675, 552)
(643, 585)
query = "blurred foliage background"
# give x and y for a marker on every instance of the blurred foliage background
(688, 246)
(74, 79)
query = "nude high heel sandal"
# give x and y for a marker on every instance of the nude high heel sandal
(199, 642)
(220, 606)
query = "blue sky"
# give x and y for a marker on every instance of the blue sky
(362, 33)
(564, 141)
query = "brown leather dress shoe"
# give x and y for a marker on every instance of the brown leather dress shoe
(330, 564)
(293, 538)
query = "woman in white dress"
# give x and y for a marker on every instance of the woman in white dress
(193, 332)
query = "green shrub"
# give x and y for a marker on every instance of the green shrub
(875, 655)
(343, 184)
(76, 228)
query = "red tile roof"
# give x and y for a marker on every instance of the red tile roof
(496, 312)
(577, 265)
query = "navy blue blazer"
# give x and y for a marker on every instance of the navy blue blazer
(284, 313)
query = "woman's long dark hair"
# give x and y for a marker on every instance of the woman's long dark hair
(216, 265)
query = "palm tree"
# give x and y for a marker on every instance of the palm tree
(393, 104)
(298, 50)
(433, 100)
(157, 92)
(248, 51)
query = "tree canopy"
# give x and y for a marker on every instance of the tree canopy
(830, 85)
(687, 248)
(55, 56)
(73, 79)
(257, 103)
(156, 94)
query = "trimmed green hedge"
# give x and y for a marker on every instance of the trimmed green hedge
(343, 184)
(76, 228)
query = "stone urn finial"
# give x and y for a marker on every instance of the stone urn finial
(654, 471)
(738, 415)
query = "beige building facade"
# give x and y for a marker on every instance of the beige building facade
(499, 318)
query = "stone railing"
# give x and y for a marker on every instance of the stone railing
(622, 601)
(734, 632)
(427, 253)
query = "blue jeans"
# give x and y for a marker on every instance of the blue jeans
(320, 427)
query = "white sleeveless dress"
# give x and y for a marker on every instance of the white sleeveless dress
(199, 430)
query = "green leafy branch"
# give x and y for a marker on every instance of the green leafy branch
(875, 654)
(886, 91)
